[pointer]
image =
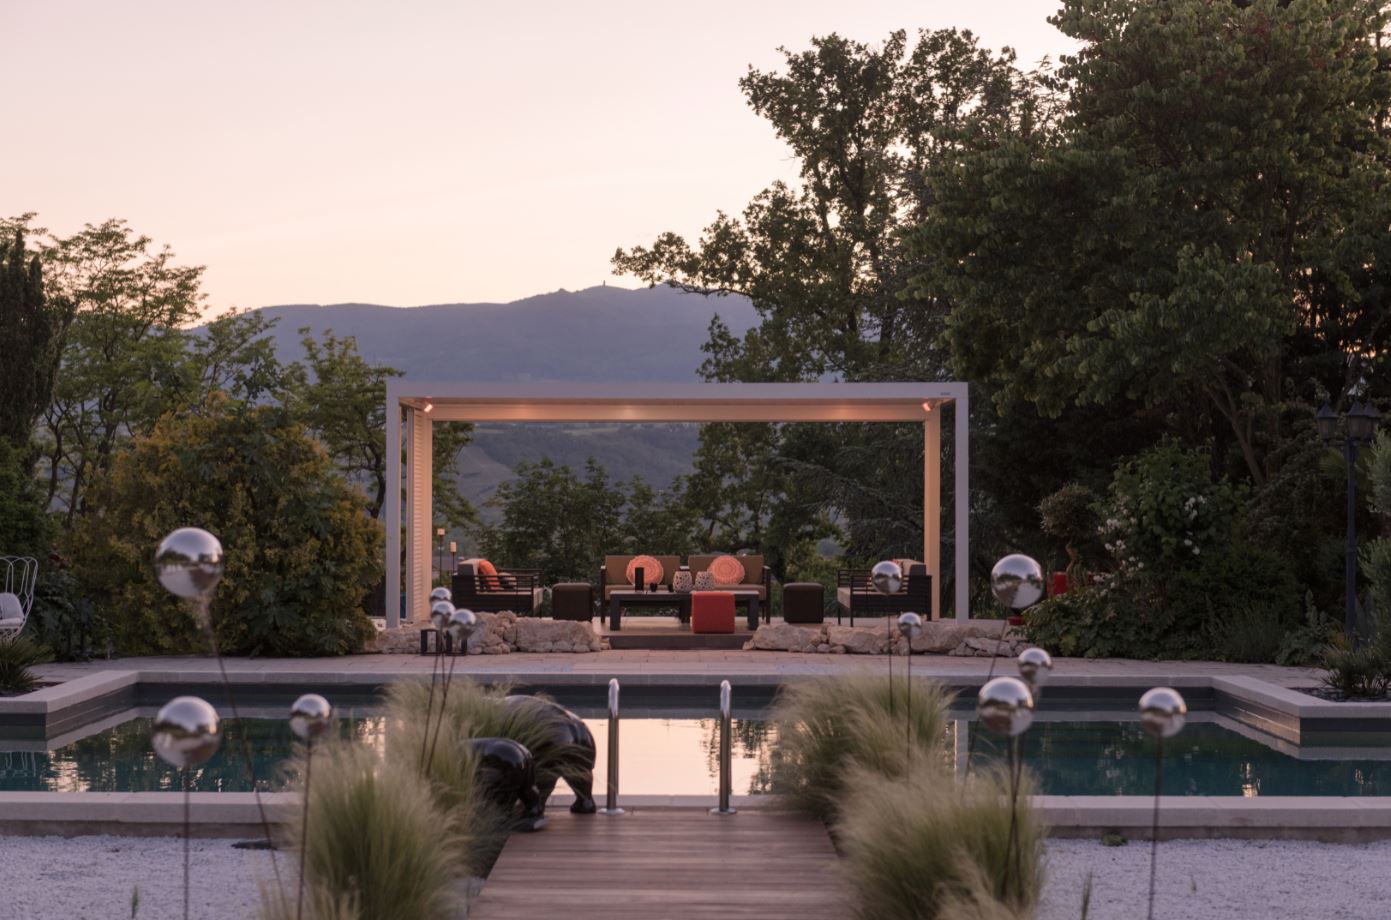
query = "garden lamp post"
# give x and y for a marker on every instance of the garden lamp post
(1361, 428)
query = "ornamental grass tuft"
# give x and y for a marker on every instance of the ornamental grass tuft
(380, 846)
(473, 711)
(17, 655)
(827, 727)
(939, 848)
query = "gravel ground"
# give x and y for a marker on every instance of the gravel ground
(90, 878)
(1221, 880)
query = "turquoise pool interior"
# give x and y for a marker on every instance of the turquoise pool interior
(670, 745)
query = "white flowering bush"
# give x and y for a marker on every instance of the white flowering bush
(1165, 511)
(1184, 582)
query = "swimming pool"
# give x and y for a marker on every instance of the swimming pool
(668, 748)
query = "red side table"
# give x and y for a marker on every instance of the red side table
(712, 612)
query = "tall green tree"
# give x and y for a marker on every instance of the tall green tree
(824, 262)
(234, 356)
(1202, 233)
(123, 361)
(341, 397)
(301, 551)
(555, 520)
(32, 327)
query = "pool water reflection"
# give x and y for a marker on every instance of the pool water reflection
(678, 756)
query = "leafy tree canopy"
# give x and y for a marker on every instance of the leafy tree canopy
(824, 263)
(301, 549)
(1204, 224)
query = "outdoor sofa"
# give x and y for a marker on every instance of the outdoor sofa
(856, 594)
(517, 590)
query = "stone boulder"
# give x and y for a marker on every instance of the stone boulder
(975, 638)
(500, 634)
(787, 637)
(404, 640)
(859, 640)
(941, 636)
(538, 635)
(985, 648)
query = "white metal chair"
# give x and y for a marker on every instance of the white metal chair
(18, 577)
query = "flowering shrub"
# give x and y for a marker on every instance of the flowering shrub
(1165, 511)
(1185, 583)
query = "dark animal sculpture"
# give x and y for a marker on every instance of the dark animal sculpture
(574, 746)
(508, 773)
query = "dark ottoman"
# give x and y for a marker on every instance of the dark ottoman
(572, 600)
(803, 602)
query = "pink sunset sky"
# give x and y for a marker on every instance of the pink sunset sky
(414, 152)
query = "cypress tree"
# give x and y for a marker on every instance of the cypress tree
(32, 327)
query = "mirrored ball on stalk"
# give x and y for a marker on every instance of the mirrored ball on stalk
(461, 626)
(440, 612)
(1017, 581)
(189, 562)
(1163, 712)
(910, 626)
(1005, 706)
(310, 716)
(441, 594)
(186, 732)
(1035, 666)
(887, 577)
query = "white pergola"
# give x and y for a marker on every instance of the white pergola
(424, 403)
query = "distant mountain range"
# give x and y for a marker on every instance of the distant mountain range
(597, 334)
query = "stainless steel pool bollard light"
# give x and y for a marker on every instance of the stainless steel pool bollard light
(726, 753)
(611, 795)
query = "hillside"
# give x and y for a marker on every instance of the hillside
(597, 334)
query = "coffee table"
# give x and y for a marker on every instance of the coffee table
(681, 600)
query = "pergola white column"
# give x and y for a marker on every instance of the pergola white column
(425, 403)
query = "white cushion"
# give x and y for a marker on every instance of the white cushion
(10, 607)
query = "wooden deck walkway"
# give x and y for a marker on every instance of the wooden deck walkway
(666, 864)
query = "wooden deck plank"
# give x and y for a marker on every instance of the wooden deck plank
(667, 863)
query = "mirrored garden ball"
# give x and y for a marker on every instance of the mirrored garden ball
(1163, 712)
(1035, 666)
(887, 577)
(440, 612)
(310, 716)
(1005, 706)
(462, 625)
(1017, 581)
(189, 562)
(186, 732)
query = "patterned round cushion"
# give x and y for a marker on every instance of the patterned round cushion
(651, 569)
(727, 570)
(704, 581)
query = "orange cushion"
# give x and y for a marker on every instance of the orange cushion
(487, 575)
(651, 569)
(727, 570)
